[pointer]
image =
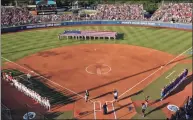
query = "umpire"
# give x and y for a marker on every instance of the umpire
(105, 109)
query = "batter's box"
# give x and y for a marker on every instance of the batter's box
(97, 105)
(83, 110)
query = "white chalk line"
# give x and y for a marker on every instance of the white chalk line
(114, 111)
(112, 107)
(152, 73)
(170, 74)
(48, 80)
(44, 78)
(99, 105)
(95, 110)
(20, 75)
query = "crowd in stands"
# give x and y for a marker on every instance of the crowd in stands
(185, 112)
(181, 12)
(14, 16)
(27, 91)
(178, 12)
(119, 12)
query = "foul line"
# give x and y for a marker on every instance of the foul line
(94, 111)
(114, 111)
(112, 107)
(44, 78)
(152, 73)
(170, 74)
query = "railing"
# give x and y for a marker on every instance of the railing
(99, 22)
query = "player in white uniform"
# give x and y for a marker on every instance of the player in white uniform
(115, 93)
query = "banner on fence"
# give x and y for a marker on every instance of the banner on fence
(68, 23)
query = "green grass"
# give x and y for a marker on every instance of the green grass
(65, 115)
(57, 98)
(159, 83)
(21, 44)
(18, 45)
(156, 86)
(152, 114)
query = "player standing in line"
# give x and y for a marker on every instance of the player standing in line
(6, 77)
(115, 93)
(28, 76)
(48, 104)
(86, 95)
(146, 100)
(143, 108)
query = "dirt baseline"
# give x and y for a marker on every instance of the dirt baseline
(99, 68)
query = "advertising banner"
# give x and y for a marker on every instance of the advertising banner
(69, 23)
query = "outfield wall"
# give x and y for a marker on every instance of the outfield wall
(94, 22)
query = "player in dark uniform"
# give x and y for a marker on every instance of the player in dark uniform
(105, 109)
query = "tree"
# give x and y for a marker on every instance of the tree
(7, 2)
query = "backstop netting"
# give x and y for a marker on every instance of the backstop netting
(5, 113)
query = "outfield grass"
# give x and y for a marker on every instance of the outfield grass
(152, 114)
(21, 44)
(18, 45)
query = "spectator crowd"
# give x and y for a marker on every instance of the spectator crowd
(14, 16)
(27, 91)
(119, 12)
(181, 12)
(178, 12)
(185, 112)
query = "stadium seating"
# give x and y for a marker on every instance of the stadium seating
(177, 12)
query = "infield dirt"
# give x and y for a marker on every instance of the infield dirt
(66, 66)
